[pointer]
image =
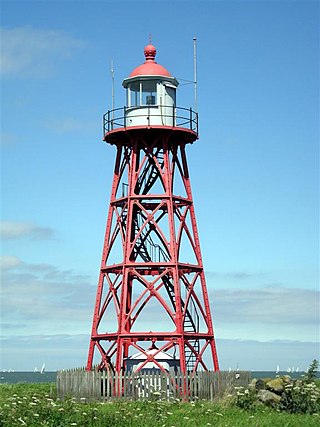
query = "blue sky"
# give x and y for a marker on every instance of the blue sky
(254, 170)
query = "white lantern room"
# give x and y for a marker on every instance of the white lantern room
(151, 94)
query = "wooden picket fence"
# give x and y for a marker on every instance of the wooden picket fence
(94, 385)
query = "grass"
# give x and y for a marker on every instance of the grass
(35, 405)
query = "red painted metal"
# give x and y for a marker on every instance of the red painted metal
(151, 260)
(150, 66)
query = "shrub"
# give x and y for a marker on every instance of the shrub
(300, 397)
(312, 371)
(293, 396)
(245, 398)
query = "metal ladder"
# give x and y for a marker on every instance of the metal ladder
(191, 324)
(149, 174)
(145, 246)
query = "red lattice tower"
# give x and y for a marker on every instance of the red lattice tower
(152, 307)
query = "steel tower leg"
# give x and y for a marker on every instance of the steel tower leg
(152, 289)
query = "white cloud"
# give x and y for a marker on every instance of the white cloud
(43, 299)
(28, 51)
(16, 230)
(274, 305)
(63, 351)
(259, 355)
(8, 262)
(57, 351)
(70, 124)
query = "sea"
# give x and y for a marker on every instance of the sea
(50, 377)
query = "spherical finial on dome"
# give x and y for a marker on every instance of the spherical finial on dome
(150, 66)
(150, 52)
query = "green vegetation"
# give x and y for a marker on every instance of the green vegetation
(312, 371)
(36, 405)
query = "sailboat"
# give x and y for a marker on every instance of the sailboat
(42, 368)
(278, 369)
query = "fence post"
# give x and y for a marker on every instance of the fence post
(105, 385)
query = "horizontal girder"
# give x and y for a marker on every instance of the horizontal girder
(151, 284)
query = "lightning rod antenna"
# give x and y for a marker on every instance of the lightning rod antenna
(195, 74)
(112, 89)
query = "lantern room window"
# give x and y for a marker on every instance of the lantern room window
(142, 93)
(134, 95)
(149, 92)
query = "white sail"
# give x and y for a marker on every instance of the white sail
(42, 368)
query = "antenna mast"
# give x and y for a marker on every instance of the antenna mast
(195, 74)
(112, 89)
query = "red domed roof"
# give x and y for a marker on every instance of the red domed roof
(150, 67)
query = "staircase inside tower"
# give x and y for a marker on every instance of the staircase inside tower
(149, 251)
(150, 172)
(191, 323)
(145, 247)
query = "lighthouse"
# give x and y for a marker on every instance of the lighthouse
(152, 308)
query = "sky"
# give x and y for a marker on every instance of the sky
(254, 170)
